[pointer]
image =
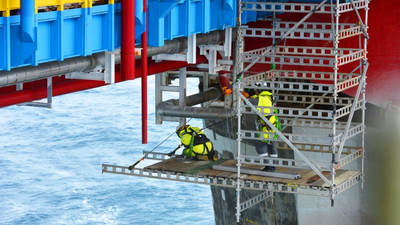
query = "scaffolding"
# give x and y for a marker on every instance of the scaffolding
(306, 98)
(303, 90)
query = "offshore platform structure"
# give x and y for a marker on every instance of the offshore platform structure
(313, 96)
(316, 61)
(308, 96)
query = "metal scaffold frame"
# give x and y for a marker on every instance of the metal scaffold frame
(308, 88)
(312, 100)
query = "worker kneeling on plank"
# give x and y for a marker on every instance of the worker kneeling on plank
(197, 145)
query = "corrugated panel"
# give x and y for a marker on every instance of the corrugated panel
(86, 30)
(59, 35)
(177, 18)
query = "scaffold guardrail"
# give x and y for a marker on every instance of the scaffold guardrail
(294, 188)
(307, 31)
(308, 147)
(302, 7)
(287, 121)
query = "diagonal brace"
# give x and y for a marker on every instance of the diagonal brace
(297, 151)
(269, 48)
(363, 27)
(352, 111)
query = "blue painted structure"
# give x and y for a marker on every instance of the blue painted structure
(30, 39)
(59, 35)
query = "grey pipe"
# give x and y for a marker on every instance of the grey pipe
(180, 44)
(50, 69)
(172, 108)
(86, 64)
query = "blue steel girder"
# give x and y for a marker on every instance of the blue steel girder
(139, 19)
(158, 9)
(177, 18)
(56, 35)
(33, 38)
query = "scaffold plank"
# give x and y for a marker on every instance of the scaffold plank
(308, 31)
(313, 75)
(349, 83)
(248, 170)
(358, 129)
(346, 184)
(289, 86)
(250, 56)
(351, 57)
(296, 112)
(294, 138)
(350, 32)
(349, 158)
(165, 170)
(344, 111)
(312, 99)
(282, 162)
(324, 124)
(255, 200)
(298, 74)
(299, 34)
(315, 147)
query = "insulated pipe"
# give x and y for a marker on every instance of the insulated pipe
(128, 39)
(45, 70)
(169, 65)
(86, 64)
(198, 98)
(172, 108)
(144, 76)
(70, 86)
(180, 44)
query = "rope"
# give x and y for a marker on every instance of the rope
(133, 165)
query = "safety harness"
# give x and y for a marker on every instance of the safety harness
(197, 139)
(272, 118)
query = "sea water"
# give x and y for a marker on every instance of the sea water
(50, 162)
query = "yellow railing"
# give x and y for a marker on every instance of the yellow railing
(8, 5)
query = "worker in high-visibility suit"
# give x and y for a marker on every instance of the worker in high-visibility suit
(265, 148)
(197, 145)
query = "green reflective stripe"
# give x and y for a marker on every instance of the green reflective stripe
(191, 146)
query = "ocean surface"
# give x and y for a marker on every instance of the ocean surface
(51, 160)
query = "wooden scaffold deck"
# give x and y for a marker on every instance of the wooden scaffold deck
(202, 172)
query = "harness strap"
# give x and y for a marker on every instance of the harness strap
(191, 146)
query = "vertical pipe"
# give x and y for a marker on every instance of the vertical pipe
(239, 163)
(335, 94)
(50, 91)
(182, 92)
(128, 39)
(365, 64)
(238, 68)
(144, 76)
(27, 20)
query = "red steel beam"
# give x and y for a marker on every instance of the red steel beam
(144, 77)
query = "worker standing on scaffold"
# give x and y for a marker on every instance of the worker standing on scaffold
(265, 148)
(197, 145)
